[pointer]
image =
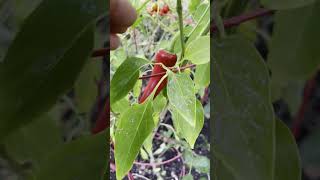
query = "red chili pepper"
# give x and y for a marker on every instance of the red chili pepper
(167, 59)
(103, 120)
(165, 9)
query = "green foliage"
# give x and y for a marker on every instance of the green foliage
(31, 72)
(149, 34)
(133, 128)
(198, 52)
(34, 141)
(287, 164)
(125, 78)
(294, 54)
(286, 4)
(181, 85)
(82, 159)
(183, 127)
(243, 125)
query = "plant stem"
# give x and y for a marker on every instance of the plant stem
(234, 21)
(308, 90)
(179, 10)
(173, 69)
(100, 52)
(218, 21)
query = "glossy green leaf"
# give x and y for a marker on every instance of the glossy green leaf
(198, 51)
(286, 4)
(121, 106)
(202, 18)
(202, 75)
(243, 126)
(159, 103)
(82, 159)
(45, 58)
(181, 94)
(34, 141)
(125, 78)
(137, 89)
(31, 90)
(187, 131)
(287, 154)
(134, 126)
(294, 54)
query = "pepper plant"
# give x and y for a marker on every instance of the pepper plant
(171, 38)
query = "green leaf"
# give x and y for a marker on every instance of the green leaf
(198, 51)
(202, 75)
(286, 4)
(44, 60)
(31, 87)
(181, 94)
(134, 126)
(159, 103)
(202, 18)
(187, 131)
(137, 89)
(147, 144)
(82, 159)
(125, 78)
(287, 154)
(294, 54)
(292, 95)
(86, 87)
(243, 126)
(221, 172)
(34, 141)
(200, 163)
(193, 4)
(121, 106)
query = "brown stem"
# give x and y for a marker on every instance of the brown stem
(173, 69)
(179, 155)
(234, 21)
(100, 52)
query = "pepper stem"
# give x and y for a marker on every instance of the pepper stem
(179, 10)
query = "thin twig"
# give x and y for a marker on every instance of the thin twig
(179, 155)
(234, 21)
(173, 69)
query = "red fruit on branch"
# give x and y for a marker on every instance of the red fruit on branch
(168, 60)
(165, 9)
(103, 120)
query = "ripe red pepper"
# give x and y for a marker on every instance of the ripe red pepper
(165, 9)
(167, 59)
(103, 120)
